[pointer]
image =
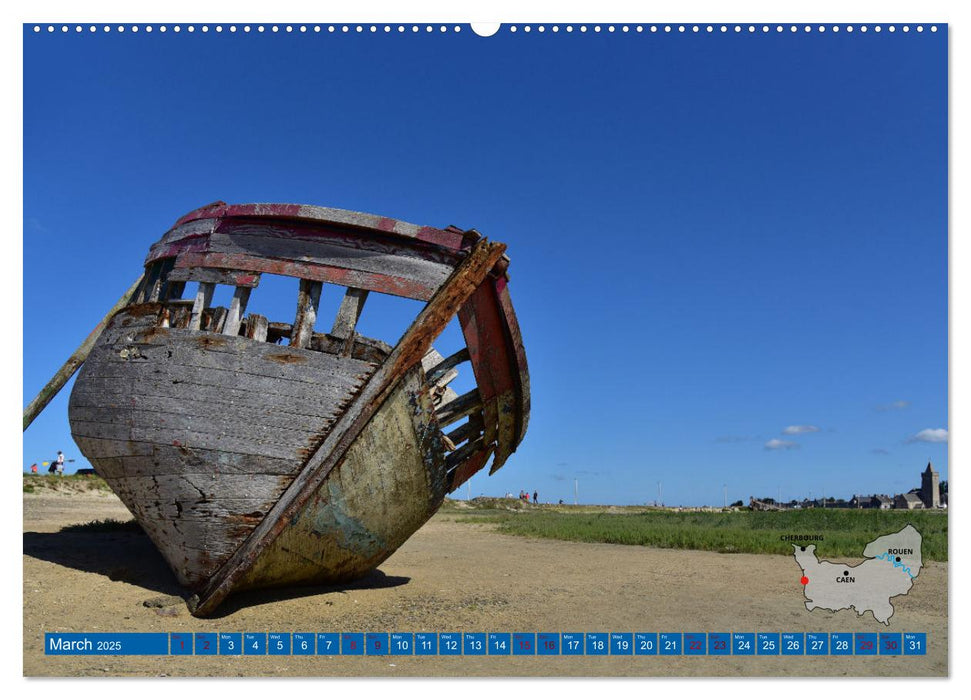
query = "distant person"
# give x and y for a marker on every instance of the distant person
(526, 497)
(53, 468)
(33, 468)
(535, 497)
(561, 501)
(59, 463)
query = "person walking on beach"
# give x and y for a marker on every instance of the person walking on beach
(535, 497)
(60, 463)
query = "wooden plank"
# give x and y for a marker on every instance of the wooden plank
(128, 457)
(342, 219)
(77, 358)
(439, 373)
(467, 469)
(521, 373)
(347, 316)
(308, 299)
(202, 302)
(368, 349)
(333, 274)
(237, 308)
(469, 429)
(214, 318)
(456, 410)
(256, 327)
(349, 312)
(232, 278)
(410, 349)
(158, 285)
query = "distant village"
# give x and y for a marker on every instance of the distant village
(932, 494)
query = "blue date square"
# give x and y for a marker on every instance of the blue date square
(621, 643)
(474, 643)
(695, 644)
(841, 643)
(230, 644)
(402, 644)
(719, 644)
(645, 643)
(890, 643)
(279, 643)
(328, 643)
(500, 644)
(352, 643)
(450, 644)
(866, 643)
(817, 643)
(572, 643)
(524, 643)
(793, 643)
(180, 643)
(377, 643)
(303, 643)
(767, 643)
(669, 643)
(915, 643)
(597, 643)
(426, 643)
(254, 643)
(206, 643)
(548, 644)
(743, 643)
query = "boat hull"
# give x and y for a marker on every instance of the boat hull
(200, 434)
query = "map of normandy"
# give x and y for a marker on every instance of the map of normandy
(892, 563)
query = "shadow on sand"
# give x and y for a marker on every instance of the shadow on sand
(125, 554)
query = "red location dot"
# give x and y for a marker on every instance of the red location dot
(804, 580)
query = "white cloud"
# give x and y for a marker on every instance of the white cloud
(930, 435)
(777, 444)
(895, 406)
(800, 429)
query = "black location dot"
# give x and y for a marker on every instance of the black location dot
(898, 558)
(846, 573)
(803, 548)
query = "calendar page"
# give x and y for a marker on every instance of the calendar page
(524, 349)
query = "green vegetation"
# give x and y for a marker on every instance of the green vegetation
(845, 532)
(47, 483)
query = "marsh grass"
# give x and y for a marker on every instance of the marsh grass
(845, 532)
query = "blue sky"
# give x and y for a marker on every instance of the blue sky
(713, 238)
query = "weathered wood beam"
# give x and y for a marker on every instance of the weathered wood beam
(456, 410)
(60, 378)
(349, 312)
(234, 278)
(438, 371)
(429, 323)
(202, 302)
(308, 299)
(257, 327)
(237, 308)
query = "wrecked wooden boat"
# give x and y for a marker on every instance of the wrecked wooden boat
(259, 452)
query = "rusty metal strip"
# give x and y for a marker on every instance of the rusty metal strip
(410, 349)
(374, 282)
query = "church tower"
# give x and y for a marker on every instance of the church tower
(930, 489)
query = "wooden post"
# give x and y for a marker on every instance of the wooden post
(347, 316)
(58, 381)
(308, 299)
(203, 300)
(237, 309)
